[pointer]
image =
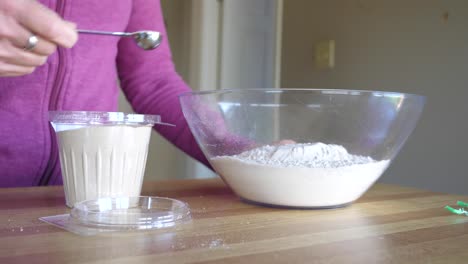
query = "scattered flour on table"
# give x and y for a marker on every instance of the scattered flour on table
(308, 175)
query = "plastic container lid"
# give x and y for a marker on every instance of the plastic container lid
(127, 213)
(103, 118)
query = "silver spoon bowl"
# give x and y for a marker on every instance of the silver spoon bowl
(147, 40)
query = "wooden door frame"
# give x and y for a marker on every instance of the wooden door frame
(206, 44)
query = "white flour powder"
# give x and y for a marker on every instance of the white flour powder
(306, 175)
(103, 161)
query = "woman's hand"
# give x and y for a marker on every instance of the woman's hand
(20, 21)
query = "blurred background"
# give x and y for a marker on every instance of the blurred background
(417, 46)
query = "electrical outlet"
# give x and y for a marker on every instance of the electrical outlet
(325, 54)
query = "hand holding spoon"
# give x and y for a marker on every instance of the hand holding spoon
(146, 40)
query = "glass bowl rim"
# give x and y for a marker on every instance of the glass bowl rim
(316, 90)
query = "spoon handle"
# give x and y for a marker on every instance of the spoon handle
(96, 32)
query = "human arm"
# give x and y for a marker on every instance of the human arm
(150, 81)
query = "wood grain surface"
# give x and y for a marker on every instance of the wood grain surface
(389, 224)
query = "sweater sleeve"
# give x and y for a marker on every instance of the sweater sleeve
(149, 79)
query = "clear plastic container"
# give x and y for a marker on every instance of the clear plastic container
(129, 213)
(102, 154)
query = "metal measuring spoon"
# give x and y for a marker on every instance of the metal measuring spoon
(146, 40)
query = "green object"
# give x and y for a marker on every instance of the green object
(459, 211)
(456, 211)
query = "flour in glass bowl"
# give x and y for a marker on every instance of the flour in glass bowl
(299, 175)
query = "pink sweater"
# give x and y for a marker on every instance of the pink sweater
(85, 78)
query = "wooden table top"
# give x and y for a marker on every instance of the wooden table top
(389, 224)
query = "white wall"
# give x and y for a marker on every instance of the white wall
(399, 45)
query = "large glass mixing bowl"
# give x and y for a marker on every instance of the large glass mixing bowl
(342, 140)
